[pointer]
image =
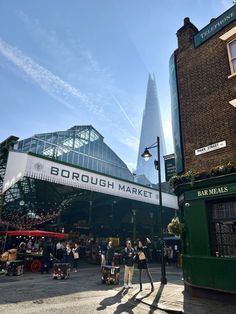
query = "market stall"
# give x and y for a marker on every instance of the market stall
(28, 246)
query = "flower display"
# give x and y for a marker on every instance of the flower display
(192, 176)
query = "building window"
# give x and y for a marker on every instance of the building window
(223, 228)
(232, 55)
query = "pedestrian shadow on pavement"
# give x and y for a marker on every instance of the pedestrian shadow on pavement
(156, 300)
(128, 306)
(112, 300)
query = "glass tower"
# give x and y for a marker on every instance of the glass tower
(151, 128)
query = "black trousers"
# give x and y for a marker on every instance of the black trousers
(148, 274)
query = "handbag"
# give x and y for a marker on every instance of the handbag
(141, 256)
(76, 255)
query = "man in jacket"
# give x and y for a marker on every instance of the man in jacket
(47, 253)
(110, 253)
(129, 256)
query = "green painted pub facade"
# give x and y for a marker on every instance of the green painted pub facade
(208, 213)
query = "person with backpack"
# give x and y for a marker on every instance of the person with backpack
(129, 256)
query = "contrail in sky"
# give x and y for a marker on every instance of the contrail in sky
(123, 111)
(52, 84)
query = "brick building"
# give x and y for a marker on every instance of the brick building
(206, 79)
(203, 90)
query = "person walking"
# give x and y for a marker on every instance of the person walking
(47, 253)
(75, 251)
(102, 252)
(142, 257)
(110, 253)
(59, 250)
(129, 256)
(70, 255)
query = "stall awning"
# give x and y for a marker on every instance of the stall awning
(33, 233)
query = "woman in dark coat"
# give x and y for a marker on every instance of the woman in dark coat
(142, 259)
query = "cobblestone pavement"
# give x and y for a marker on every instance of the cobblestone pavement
(82, 293)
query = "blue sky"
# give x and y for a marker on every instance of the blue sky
(68, 62)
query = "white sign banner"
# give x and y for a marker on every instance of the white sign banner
(16, 167)
(56, 172)
(210, 148)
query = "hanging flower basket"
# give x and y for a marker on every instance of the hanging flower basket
(175, 227)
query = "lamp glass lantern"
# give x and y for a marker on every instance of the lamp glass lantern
(146, 154)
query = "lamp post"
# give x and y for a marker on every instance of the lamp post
(146, 155)
(134, 223)
(151, 217)
(90, 215)
(112, 215)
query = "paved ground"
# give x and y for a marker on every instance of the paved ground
(84, 293)
(172, 298)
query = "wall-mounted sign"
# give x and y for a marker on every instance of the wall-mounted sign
(219, 190)
(215, 26)
(170, 169)
(210, 148)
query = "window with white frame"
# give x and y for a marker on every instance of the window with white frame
(230, 39)
(232, 55)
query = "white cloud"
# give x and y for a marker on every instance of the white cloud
(49, 82)
(35, 26)
(131, 141)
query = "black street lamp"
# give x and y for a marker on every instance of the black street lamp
(134, 223)
(146, 155)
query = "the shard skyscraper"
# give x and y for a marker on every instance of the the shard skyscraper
(151, 128)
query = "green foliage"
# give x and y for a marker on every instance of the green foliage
(191, 176)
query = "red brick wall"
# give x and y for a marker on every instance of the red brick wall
(205, 92)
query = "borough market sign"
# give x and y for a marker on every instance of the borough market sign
(22, 164)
